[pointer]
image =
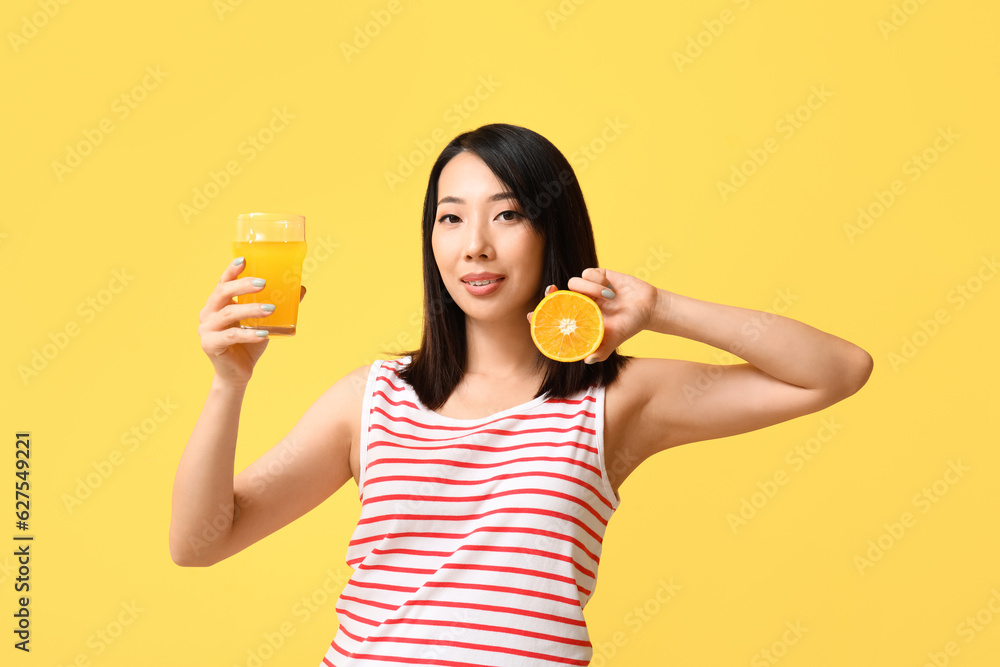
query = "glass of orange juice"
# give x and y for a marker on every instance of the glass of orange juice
(274, 245)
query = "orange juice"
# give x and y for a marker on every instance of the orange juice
(280, 264)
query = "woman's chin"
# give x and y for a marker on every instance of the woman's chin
(493, 313)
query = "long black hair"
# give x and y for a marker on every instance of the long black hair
(545, 186)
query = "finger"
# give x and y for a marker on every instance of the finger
(302, 292)
(595, 275)
(529, 316)
(602, 352)
(216, 343)
(599, 355)
(550, 289)
(601, 277)
(592, 289)
(233, 269)
(234, 313)
(224, 292)
(231, 316)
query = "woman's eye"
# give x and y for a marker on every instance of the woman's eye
(508, 216)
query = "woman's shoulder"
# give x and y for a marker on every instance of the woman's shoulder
(357, 381)
(626, 400)
(631, 369)
(641, 375)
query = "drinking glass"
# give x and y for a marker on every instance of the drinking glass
(274, 245)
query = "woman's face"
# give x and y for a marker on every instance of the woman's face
(489, 255)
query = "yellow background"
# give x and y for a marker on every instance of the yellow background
(570, 72)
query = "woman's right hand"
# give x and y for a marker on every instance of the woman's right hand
(232, 350)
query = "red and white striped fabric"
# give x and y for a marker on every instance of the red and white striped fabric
(479, 539)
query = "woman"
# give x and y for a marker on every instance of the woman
(487, 472)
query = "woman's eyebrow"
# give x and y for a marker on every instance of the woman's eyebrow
(500, 196)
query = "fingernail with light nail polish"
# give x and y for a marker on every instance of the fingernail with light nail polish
(607, 294)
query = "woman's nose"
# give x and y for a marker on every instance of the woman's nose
(478, 241)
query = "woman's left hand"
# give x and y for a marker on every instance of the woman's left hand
(626, 313)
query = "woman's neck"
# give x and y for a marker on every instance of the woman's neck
(503, 350)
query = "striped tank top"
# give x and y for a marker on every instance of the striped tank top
(479, 539)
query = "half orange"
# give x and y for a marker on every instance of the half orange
(567, 326)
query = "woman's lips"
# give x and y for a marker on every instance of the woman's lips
(482, 284)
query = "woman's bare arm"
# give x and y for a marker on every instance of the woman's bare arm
(793, 369)
(217, 514)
